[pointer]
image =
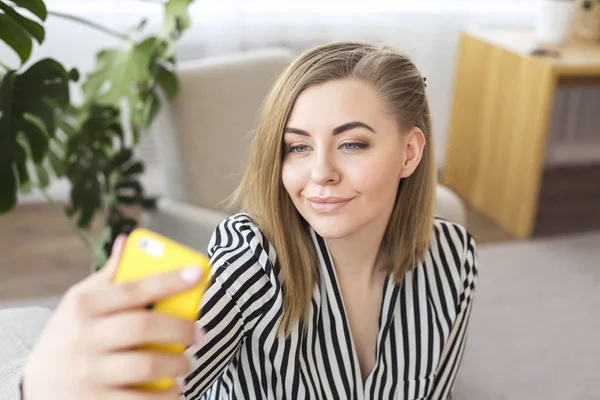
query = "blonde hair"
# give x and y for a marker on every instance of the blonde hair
(262, 195)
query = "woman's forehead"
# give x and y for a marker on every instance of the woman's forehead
(337, 102)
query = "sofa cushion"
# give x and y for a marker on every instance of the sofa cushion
(211, 121)
(19, 329)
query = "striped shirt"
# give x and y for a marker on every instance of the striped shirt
(421, 335)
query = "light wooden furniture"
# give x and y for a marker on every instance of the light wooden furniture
(501, 112)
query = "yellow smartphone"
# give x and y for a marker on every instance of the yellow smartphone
(147, 253)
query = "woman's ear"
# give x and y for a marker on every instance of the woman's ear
(414, 144)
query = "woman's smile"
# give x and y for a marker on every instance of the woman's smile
(327, 204)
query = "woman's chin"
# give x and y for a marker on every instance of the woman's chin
(332, 227)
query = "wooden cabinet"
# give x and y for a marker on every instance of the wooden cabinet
(501, 112)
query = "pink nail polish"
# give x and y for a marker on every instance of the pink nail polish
(180, 382)
(191, 274)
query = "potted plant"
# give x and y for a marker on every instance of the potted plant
(44, 135)
(553, 20)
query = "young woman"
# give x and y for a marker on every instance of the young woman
(337, 281)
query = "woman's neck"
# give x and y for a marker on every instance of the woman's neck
(356, 255)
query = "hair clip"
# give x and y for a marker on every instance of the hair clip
(425, 81)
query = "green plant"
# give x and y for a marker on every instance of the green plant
(44, 135)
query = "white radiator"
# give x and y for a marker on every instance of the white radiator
(574, 135)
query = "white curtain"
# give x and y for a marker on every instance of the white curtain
(428, 32)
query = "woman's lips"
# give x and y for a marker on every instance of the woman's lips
(327, 204)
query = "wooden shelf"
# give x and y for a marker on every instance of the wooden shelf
(577, 57)
(501, 112)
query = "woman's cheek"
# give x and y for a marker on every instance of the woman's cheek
(373, 174)
(292, 179)
(361, 171)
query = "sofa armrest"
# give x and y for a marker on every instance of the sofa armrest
(19, 330)
(449, 206)
(185, 223)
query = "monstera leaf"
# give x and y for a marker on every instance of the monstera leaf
(57, 146)
(28, 106)
(89, 151)
(16, 30)
(125, 171)
(128, 189)
(122, 74)
(102, 176)
(177, 18)
(132, 74)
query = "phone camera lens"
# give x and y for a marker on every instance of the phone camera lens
(151, 247)
(144, 243)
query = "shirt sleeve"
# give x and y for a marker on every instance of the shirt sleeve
(230, 304)
(455, 345)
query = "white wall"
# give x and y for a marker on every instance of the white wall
(428, 32)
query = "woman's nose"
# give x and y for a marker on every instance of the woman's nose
(324, 170)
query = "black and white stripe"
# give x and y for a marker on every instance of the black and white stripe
(422, 325)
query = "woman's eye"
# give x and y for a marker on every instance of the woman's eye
(354, 146)
(298, 149)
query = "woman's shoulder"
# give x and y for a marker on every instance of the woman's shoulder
(239, 246)
(451, 262)
(452, 245)
(242, 262)
(236, 226)
(235, 231)
(450, 234)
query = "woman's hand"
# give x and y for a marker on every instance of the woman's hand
(88, 348)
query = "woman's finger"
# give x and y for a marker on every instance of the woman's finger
(108, 271)
(141, 293)
(136, 367)
(86, 295)
(135, 328)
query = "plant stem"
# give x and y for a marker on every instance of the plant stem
(89, 23)
(84, 236)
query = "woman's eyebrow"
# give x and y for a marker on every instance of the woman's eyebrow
(342, 128)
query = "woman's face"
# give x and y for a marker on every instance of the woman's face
(344, 158)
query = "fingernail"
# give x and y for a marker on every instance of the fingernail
(118, 243)
(180, 381)
(199, 336)
(191, 274)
